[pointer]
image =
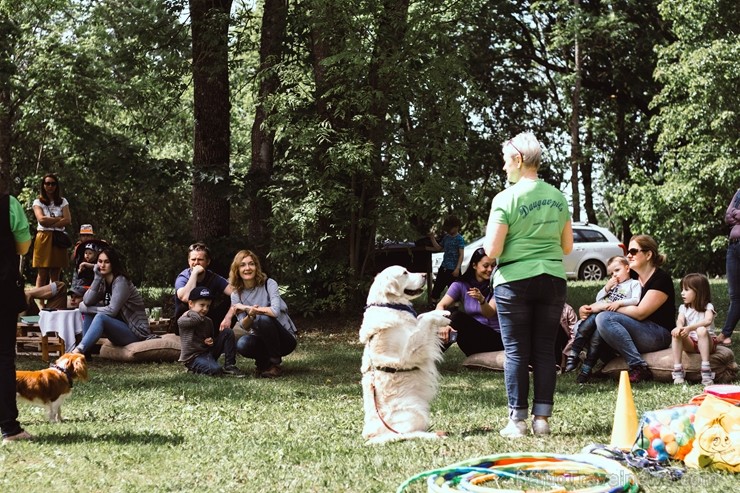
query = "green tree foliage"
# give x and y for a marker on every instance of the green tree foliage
(698, 116)
(96, 97)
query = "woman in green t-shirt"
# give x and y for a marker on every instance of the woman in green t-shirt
(529, 231)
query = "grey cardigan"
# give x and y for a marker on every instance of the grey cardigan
(125, 303)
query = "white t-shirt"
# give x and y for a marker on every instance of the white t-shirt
(692, 317)
(51, 210)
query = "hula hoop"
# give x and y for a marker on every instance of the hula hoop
(535, 472)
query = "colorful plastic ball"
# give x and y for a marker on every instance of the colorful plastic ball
(667, 435)
(681, 439)
(651, 452)
(643, 442)
(662, 456)
(664, 418)
(648, 432)
(690, 433)
(658, 445)
(671, 448)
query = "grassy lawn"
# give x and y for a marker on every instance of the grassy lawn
(153, 427)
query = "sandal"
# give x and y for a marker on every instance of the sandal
(726, 341)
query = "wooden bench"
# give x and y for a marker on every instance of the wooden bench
(30, 340)
(159, 327)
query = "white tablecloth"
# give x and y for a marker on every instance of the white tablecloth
(66, 323)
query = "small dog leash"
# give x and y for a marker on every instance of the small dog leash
(375, 396)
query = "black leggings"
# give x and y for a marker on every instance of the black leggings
(474, 337)
(267, 342)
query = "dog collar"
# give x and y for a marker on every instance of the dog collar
(66, 371)
(394, 306)
(389, 369)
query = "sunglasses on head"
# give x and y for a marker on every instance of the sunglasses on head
(511, 143)
(633, 251)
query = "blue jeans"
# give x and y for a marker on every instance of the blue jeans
(630, 337)
(529, 314)
(97, 325)
(733, 286)
(207, 363)
(267, 342)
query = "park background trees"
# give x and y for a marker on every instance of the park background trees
(312, 130)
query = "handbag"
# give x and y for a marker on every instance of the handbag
(60, 239)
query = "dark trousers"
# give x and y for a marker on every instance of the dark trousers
(207, 363)
(443, 280)
(8, 408)
(267, 342)
(733, 286)
(472, 336)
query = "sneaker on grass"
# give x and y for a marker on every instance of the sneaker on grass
(233, 370)
(516, 428)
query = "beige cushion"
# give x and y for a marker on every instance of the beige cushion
(165, 348)
(661, 364)
(493, 360)
(238, 332)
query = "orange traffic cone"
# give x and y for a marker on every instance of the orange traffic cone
(624, 430)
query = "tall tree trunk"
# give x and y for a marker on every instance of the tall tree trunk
(274, 21)
(389, 43)
(587, 178)
(211, 107)
(575, 144)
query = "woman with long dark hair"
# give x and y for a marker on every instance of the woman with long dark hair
(52, 214)
(475, 326)
(112, 306)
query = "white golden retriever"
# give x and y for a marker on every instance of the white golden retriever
(399, 364)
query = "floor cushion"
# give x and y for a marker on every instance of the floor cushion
(661, 364)
(164, 348)
(493, 360)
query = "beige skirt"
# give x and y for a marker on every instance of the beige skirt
(46, 255)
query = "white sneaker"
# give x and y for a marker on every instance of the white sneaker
(707, 378)
(540, 427)
(516, 428)
(678, 377)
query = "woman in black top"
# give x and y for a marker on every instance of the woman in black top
(646, 327)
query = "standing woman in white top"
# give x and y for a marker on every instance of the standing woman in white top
(52, 214)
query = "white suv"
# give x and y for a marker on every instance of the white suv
(593, 246)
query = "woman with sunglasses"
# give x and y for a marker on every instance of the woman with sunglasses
(52, 214)
(475, 327)
(645, 327)
(529, 230)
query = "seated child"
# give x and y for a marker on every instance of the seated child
(694, 332)
(620, 290)
(200, 350)
(84, 269)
